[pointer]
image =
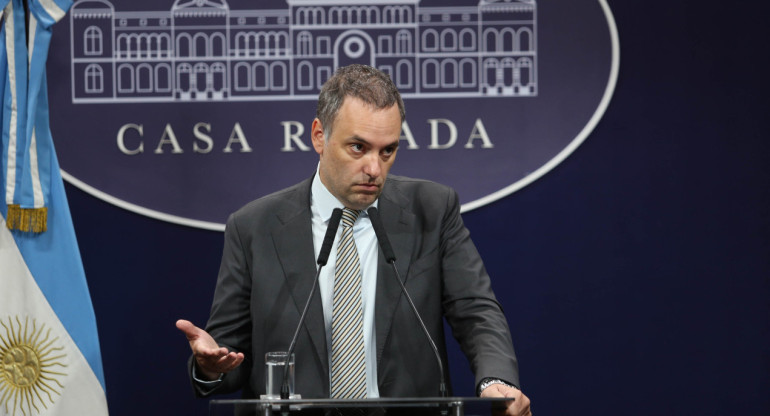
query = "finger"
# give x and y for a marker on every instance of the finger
(227, 362)
(212, 354)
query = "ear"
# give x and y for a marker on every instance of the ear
(317, 136)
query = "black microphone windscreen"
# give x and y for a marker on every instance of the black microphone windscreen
(382, 237)
(331, 232)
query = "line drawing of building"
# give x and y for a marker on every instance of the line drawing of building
(201, 50)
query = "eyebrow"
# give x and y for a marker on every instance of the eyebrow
(366, 142)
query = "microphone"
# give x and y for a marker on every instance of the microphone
(390, 257)
(323, 257)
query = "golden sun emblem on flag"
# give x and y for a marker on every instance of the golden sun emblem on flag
(30, 366)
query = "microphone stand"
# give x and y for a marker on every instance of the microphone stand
(323, 257)
(390, 257)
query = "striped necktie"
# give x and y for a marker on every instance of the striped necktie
(348, 365)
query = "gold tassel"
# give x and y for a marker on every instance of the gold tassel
(27, 219)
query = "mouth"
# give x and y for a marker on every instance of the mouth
(367, 187)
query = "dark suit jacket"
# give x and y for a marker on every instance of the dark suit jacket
(267, 271)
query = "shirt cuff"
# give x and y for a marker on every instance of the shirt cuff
(207, 383)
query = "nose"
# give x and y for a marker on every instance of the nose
(372, 166)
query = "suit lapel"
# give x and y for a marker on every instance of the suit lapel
(294, 245)
(399, 225)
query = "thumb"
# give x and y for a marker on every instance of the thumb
(190, 330)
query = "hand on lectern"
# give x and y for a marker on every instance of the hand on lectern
(212, 360)
(518, 407)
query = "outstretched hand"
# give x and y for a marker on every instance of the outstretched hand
(518, 407)
(211, 359)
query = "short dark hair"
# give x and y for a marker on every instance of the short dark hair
(368, 84)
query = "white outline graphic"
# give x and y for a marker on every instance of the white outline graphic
(324, 44)
(201, 50)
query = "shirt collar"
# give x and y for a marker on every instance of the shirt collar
(325, 202)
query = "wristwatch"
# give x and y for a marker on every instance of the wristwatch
(490, 381)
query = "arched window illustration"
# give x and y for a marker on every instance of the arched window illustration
(490, 40)
(390, 15)
(218, 44)
(324, 45)
(508, 40)
(241, 44)
(371, 15)
(184, 79)
(337, 16)
(310, 16)
(430, 40)
(128, 46)
(490, 72)
(252, 44)
(430, 73)
(398, 14)
(218, 77)
(242, 74)
(404, 74)
(403, 42)
(283, 44)
(385, 44)
(467, 40)
(261, 76)
(278, 76)
(526, 40)
(92, 41)
(200, 77)
(200, 45)
(509, 72)
(164, 45)
(304, 44)
(183, 45)
(449, 73)
(163, 78)
(448, 40)
(525, 72)
(467, 73)
(125, 78)
(142, 46)
(122, 46)
(144, 81)
(153, 46)
(94, 79)
(261, 44)
(324, 73)
(305, 76)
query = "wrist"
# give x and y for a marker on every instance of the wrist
(206, 375)
(489, 381)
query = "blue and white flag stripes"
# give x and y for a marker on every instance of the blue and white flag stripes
(50, 363)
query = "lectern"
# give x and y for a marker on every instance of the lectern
(450, 406)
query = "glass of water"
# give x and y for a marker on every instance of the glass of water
(274, 363)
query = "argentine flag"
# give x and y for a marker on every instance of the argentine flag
(50, 363)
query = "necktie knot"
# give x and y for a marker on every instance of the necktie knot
(349, 217)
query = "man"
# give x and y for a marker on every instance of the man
(268, 267)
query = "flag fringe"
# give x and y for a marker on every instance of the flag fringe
(27, 219)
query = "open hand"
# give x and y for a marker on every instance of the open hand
(211, 359)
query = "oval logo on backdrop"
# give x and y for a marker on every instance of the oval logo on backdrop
(185, 110)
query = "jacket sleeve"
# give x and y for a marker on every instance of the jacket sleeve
(474, 314)
(229, 322)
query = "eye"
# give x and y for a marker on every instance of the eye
(388, 151)
(357, 147)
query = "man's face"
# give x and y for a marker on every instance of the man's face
(359, 153)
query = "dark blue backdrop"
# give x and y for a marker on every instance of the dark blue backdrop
(636, 275)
